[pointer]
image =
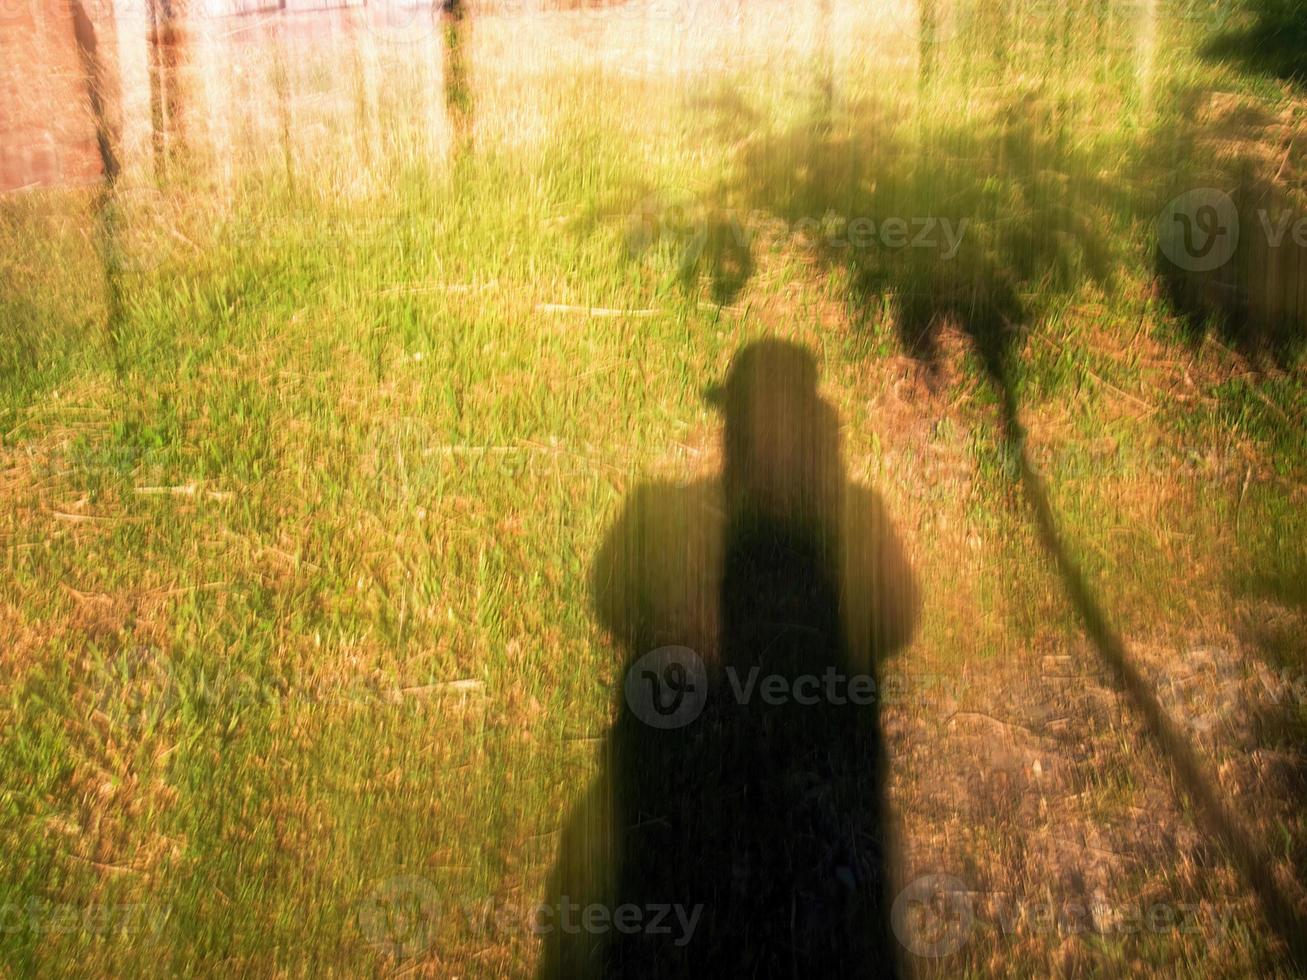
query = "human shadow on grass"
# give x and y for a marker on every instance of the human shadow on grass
(738, 824)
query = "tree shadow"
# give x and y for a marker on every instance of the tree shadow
(169, 60)
(458, 89)
(1214, 810)
(941, 222)
(1040, 220)
(948, 223)
(742, 787)
(1273, 41)
(1231, 245)
(103, 98)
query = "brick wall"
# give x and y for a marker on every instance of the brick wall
(47, 133)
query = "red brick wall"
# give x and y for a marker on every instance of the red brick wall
(47, 134)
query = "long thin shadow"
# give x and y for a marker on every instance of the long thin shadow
(167, 56)
(97, 90)
(1252, 862)
(458, 91)
(99, 95)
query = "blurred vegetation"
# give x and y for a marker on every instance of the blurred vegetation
(368, 407)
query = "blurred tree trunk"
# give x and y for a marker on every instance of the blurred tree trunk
(458, 95)
(102, 100)
(100, 93)
(1147, 57)
(825, 65)
(927, 29)
(167, 64)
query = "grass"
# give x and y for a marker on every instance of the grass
(355, 432)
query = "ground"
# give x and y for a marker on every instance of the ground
(306, 448)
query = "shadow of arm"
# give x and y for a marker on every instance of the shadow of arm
(881, 598)
(656, 578)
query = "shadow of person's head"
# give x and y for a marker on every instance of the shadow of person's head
(781, 440)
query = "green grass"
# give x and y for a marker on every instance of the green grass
(393, 467)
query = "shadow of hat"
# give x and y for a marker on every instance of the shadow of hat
(768, 368)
